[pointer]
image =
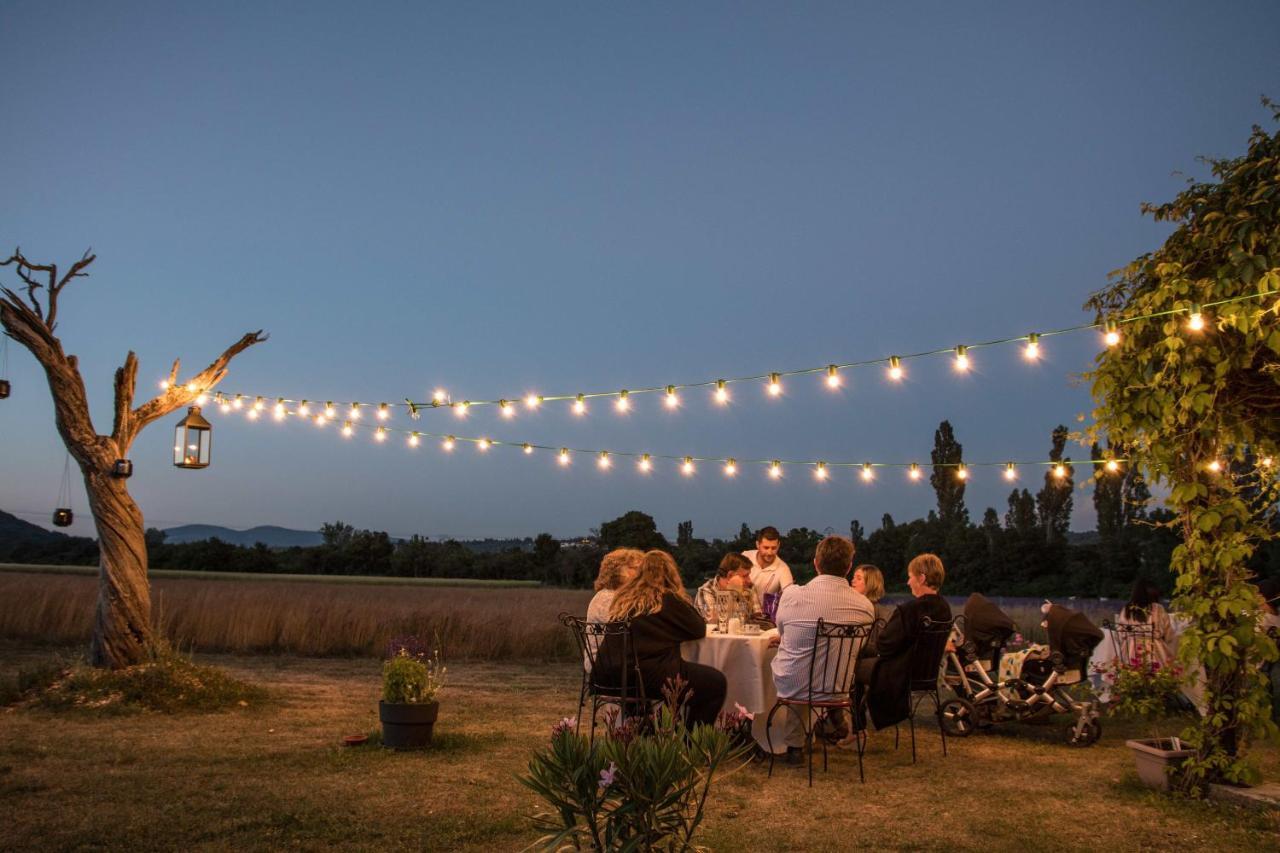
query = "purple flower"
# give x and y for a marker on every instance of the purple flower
(743, 712)
(566, 725)
(608, 775)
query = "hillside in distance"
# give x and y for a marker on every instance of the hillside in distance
(268, 534)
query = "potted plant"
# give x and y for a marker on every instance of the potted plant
(1145, 689)
(410, 681)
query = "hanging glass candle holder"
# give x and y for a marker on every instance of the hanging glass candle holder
(123, 468)
(192, 439)
(63, 516)
(4, 388)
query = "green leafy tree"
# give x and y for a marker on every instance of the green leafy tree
(947, 454)
(1188, 401)
(1054, 502)
(633, 529)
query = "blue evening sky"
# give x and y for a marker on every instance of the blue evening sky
(563, 197)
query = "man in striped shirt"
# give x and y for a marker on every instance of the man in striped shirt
(830, 598)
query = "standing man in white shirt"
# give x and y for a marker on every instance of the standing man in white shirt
(768, 571)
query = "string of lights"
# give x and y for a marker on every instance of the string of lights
(834, 373)
(730, 466)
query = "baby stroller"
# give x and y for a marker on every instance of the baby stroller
(1038, 691)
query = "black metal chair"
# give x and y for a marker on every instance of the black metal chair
(924, 671)
(831, 671)
(1132, 640)
(610, 672)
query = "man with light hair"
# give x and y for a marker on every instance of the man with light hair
(769, 573)
(827, 597)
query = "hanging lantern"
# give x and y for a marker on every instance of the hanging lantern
(62, 517)
(4, 388)
(191, 440)
(123, 468)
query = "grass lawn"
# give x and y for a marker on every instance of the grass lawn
(275, 776)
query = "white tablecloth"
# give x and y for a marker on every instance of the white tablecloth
(744, 660)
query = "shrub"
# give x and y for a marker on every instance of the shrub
(409, 679)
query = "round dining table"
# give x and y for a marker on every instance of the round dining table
(745, 660)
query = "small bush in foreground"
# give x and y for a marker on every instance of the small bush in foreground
(169, 683)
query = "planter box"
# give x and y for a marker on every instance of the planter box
(1157, 758)
(407, 726)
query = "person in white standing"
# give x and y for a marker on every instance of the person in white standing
(830, 598)
(768, 571)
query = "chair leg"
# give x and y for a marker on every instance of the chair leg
(860, 741)
(768, 734)
(937, 703)
(895, 735)
(912, 721)
(808, 728)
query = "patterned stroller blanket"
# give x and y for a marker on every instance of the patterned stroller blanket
(1011, 662)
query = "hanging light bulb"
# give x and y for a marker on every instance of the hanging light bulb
(722, 392)
(202, 399)
(224, 405)
(564, 456)
(1214, 467)
(258, 404)
(1111, 333)
(644, 464)
(1060, 471)
(775, 384)
(623, 402)
(1010, 471)
(413, 439)
(448, 443)
(820, 470)
(1266, 462)
(775, 469)
(868, 473)
(329, 411)
(528, 448)
(1195, 322)
(895, 368)
(672, 399)
(192, 388)
(238, 403)
(580, 405)
(346, 429)
(304, 410)
(280, 410)
(962, 358)
(604, 461)
(384, 411)
(319, 420)
(380, 434)
(962, 473)
(1032, 350)
(439, 396)
(164, 384)
(833, 376)
(508, 410)
(354, 414)
(914, 471)
(484, 444)
(460, 409)
(687, 467)
(532, 401)
(1113, 465)
(253, 414)
(730, 467)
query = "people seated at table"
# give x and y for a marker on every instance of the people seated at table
(1144, 608)
(733, 575)
(830, 598)
(662, 617)
(769, 573)
(869, 580)
(886, 678)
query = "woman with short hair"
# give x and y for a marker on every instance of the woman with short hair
(616, 567)
(662, 617)
(869, 580)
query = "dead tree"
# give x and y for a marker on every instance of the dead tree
(122, 630)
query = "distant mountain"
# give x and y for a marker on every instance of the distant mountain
(270, 535)
(14, 529)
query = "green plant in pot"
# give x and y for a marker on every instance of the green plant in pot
(1144, 689)
(410, 681)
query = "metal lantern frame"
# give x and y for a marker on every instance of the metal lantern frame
(192, 441)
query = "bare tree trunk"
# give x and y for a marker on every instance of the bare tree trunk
(122, 631)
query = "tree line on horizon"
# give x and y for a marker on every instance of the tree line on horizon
(1027, 550)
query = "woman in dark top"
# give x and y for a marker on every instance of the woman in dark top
(662, 617)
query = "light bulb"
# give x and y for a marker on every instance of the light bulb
(1113, 465)
(604, 461)
(238, 403)
(329, 411)
(380, 434)
(580, 405)
(304, 410)
(962, 473)
(528, 448)
(384, 411)
(672, 399)
(258, 404)
(914, 471)
(1196, 321)
(1215, 466)
(623, 403)
(868, 473)
(280, 411)
(687, 467)
(730, 467)
(448, 442)
(895, 368)
(962, 357)
(484, 444)
(564, 456)
(833, 376)
(775, 385)
(460, 409)
(225, 406)
(1059, 471)
(319, 420)
(413, 439)
(1010, 471)
(253, 414)
(346, 429)
(644, 464)
(1265, 461)
(508, 410)
(775, 469)
(820, 471)
(354, 414)
(439, 396)
(1111, 335)
(202, 399)
(164, 384)
(722, 392)
(532, 401)
(1032, 350)
(192, 388)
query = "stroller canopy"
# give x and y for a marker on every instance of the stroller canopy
(985, 624)
(1072, 634)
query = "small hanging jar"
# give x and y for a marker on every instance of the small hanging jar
(63, 516)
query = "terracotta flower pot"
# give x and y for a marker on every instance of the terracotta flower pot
(407, 726)
(1157, 758)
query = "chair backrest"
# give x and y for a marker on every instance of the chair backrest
(833, 658)
(609, 654)
(927, 653)
(1132, 640)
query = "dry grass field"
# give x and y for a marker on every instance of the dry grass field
(265, 778)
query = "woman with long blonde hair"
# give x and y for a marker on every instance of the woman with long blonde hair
(662, 617)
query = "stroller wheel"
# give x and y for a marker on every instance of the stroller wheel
(1088, 735)
(957, 717)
